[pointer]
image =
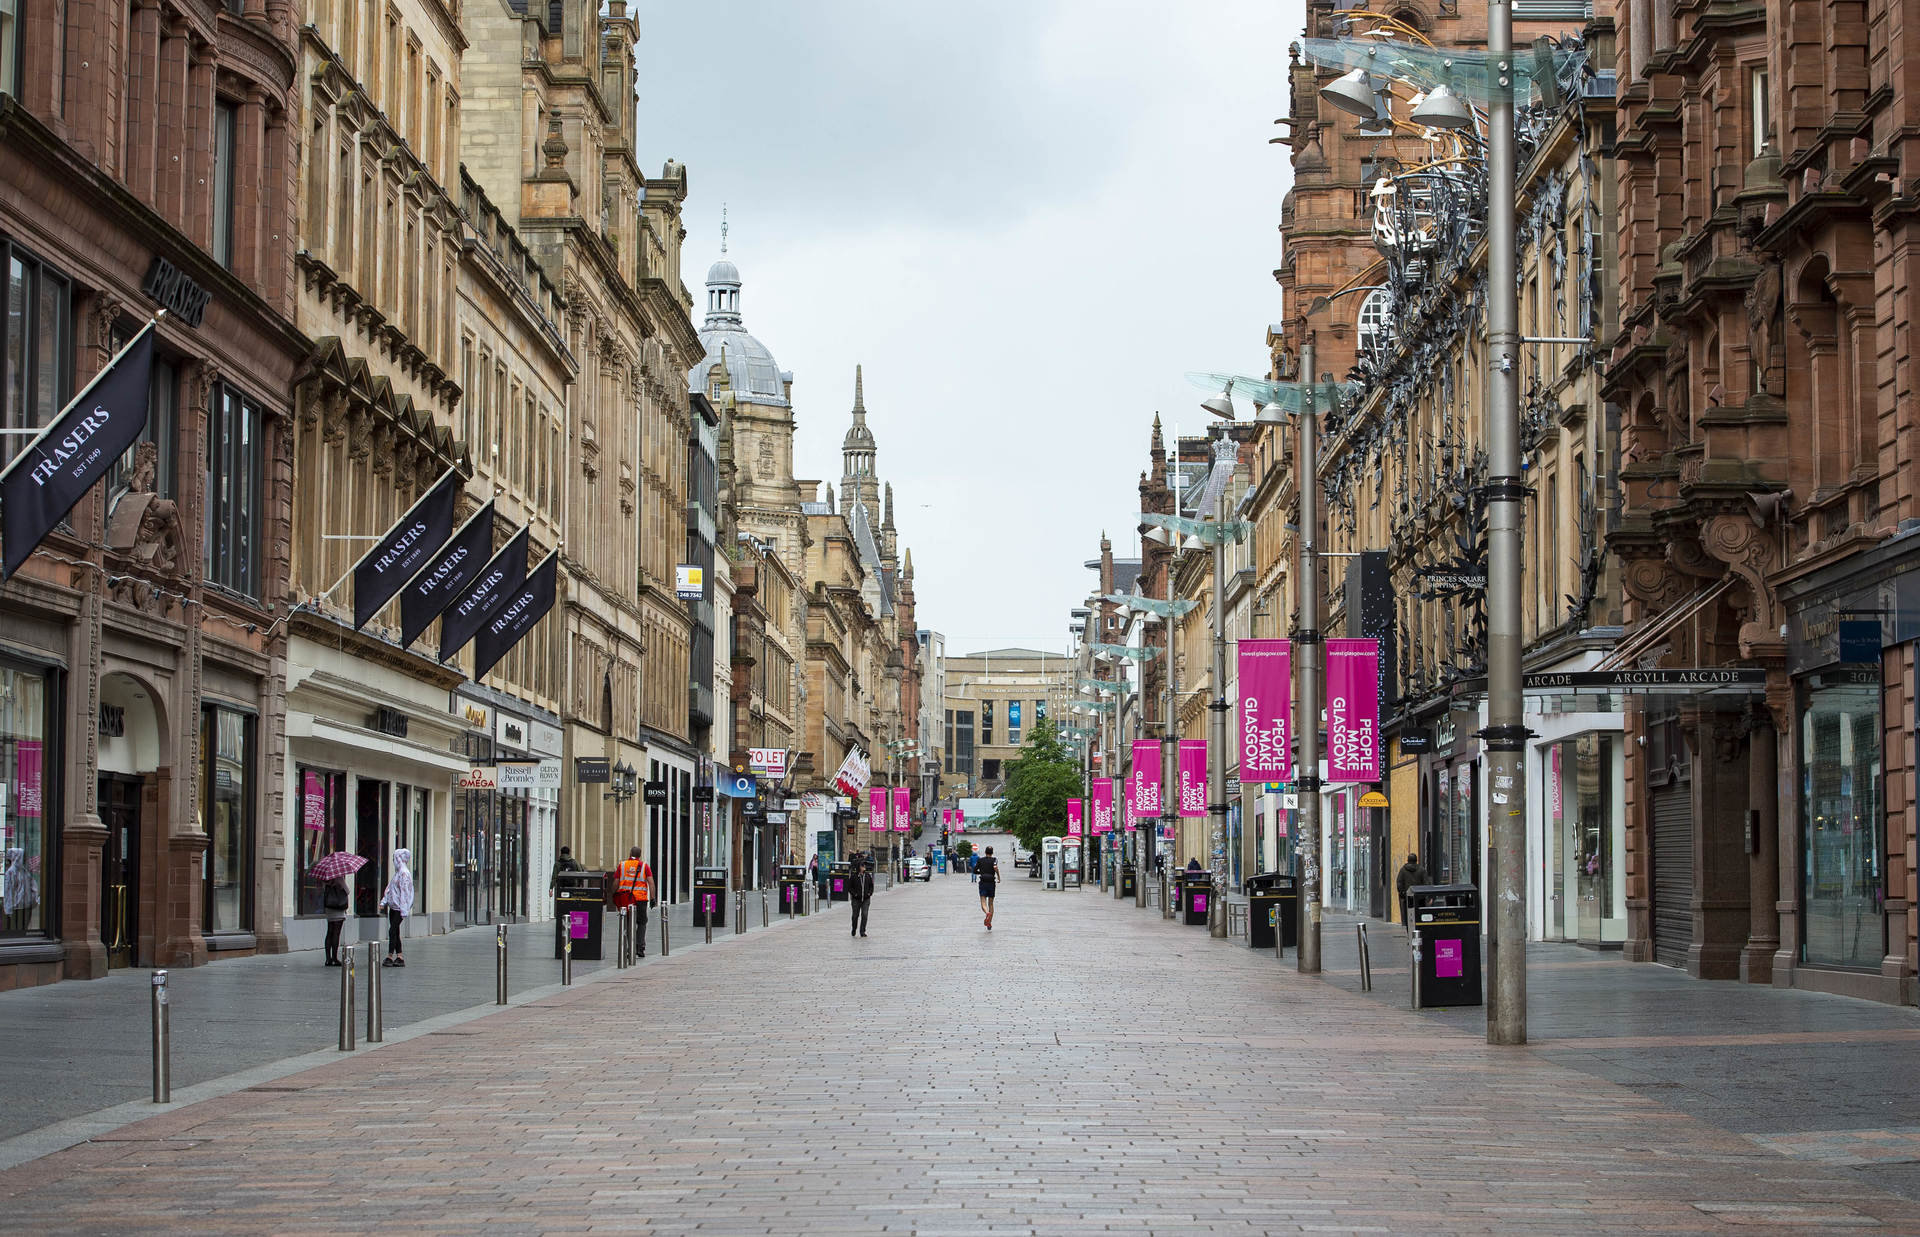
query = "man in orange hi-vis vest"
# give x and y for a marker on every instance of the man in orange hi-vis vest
(635, 888)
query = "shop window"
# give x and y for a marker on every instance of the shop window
(1840, 795)
(28, 828)
(233, 489)
(319, 828)
(36, 347)
(226, 812)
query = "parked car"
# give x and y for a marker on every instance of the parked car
(918, 869)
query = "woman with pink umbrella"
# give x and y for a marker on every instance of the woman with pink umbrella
(332, 872)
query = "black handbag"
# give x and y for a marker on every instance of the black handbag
(336, 897)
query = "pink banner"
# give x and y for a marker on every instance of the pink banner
(1266, 710)
(902, 808)
(27, 801)
(1353, 710)
(877, 808)
(313, 802)
(1143, 784)
(1073, 817)
(1193, 777)
(1102, 805)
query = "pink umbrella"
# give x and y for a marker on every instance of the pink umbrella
(339, 863)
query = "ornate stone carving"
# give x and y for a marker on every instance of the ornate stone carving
(382, 450)
(1763, 309)
(143, 524)
(359, 434)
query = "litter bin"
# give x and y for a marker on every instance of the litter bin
(793, 889)
(837, 877)
(1126, 880)
(709, 897)
(1273, 904)
(1446, 945)
(1196, 896)
(578, 906)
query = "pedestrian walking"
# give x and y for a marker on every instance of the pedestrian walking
(987, 872)
(1411, 874)
(813, 875)
(565, 863)
(335, 899)
(398, 903)
(634, 888)
(860, 894)
(973, 867)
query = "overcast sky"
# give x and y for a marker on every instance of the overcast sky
(1026, 218)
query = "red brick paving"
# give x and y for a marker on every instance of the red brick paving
(1084, 1068)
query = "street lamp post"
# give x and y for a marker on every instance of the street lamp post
(1505, 735)
(1306, 643)
(1506, 732)
(1217, 723)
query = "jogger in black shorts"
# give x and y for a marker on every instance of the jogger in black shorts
(988, 872)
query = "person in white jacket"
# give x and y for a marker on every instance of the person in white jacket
(398, 903)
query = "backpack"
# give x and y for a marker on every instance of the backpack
(989, 868)
(335, 898)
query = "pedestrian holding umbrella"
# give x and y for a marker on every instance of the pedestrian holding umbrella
(332, 871)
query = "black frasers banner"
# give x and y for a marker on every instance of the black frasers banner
(44, 482)
(510, 622)
(404, 550)
(492, 588)
(447, 576)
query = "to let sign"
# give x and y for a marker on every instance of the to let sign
(771, 761)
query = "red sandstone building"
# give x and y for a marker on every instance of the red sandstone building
(1763, 373)
(146, 160)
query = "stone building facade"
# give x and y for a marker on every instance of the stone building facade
(1762, 371)
(147, 159)
(558, 159)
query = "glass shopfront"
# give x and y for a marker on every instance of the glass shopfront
(489, 856)
(1841, 879)
(226, 812)
(1585, 839)
(29, 815)
(320, 829)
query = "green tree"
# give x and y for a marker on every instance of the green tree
(1039, 783)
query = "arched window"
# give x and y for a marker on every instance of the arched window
(1374, 322)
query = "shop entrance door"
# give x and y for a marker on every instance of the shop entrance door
(120, 869)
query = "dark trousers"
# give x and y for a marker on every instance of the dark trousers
(393, 933)
(860, 916)
(333, 938)
(639, 929)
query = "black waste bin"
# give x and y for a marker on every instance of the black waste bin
(1196, 897)
(578, 907)
(1273, 904)
(793, 887)
(1126, 880)
(1446, 945)
(709, 897)
(837, 877)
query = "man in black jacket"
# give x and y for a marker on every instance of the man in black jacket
(860, 893)
(1411, 874)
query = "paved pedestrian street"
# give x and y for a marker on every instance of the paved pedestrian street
(1085, 1067)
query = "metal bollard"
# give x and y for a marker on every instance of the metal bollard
(346, 999)
(766, 912)
(162, 1042)
(376, 1030)
(500, 965)
(666, 910)
(739, 911)
(1366, 958)
(1166, 903)
(566, 959)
